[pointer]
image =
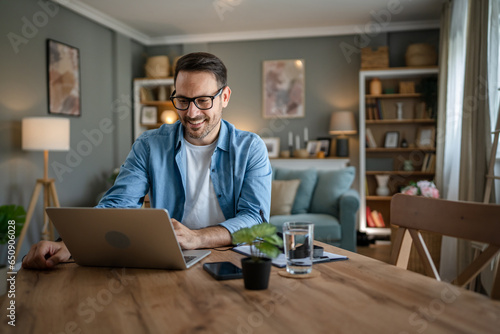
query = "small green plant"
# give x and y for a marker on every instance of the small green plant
(11, 213)
(262, 238)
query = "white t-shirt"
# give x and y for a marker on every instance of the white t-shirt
(202, 208)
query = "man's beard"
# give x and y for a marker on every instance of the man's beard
(207, 127)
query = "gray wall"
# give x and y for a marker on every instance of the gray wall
(331, 79)
(110, 61)
(106, 61)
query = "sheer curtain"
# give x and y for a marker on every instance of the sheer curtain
(467, 115)
(493, 62)
(450, 118)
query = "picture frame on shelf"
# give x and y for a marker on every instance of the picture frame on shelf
(283, 89)
(391, 139)
(324, 145)
(426, 136)
(313, 147)
(273, 146)
(63, 76)
(149, 115)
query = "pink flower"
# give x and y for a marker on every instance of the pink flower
(410, 190)
(430, 192)
(424, 188)
(425, 184)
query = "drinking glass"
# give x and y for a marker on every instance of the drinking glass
(298, 240)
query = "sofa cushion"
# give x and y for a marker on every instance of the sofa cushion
(304, 195)
(282, 196)
(330, 186)
(326, 228)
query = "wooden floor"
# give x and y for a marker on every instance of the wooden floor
(379, 252)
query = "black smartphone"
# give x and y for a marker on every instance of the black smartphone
(223, 270)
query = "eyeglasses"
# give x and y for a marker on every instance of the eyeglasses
(201, 102)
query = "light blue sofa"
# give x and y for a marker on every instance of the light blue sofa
(325, 198)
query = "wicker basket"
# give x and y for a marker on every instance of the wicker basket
(421, 55)
(375, 57)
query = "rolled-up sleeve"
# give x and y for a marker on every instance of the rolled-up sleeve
(254, 201)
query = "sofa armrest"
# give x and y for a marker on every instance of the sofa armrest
(348, 207)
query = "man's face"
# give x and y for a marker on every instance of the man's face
(201, 127)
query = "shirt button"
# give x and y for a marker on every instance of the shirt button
(219, 195)
(213, 170)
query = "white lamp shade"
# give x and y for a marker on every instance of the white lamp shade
(343, 123)
(45, 133)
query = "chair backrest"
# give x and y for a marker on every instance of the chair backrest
(465, 220)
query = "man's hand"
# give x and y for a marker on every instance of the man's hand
(210, 237)
(46, 255)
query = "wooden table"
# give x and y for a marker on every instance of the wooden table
(360, 295)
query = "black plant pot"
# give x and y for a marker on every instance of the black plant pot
(256, 274)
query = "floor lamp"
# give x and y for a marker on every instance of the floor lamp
(43, 134)
(343, 123)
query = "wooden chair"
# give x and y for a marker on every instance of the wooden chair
(465, 220)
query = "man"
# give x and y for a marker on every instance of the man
(208, 175)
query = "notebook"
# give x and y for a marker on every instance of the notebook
(280, 260)
(117, 237)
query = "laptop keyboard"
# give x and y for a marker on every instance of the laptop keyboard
(189, 258)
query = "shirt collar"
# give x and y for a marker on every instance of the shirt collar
(222, 140)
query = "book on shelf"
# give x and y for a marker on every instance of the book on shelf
(369, 218)
(424, 162)
(432, 163)
(380, 111)
(429, 163)
(378, 219)
(370, 114)
(370, 139)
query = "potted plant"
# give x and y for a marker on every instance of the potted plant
(13, 216)
(263, 241)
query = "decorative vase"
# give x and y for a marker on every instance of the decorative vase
(382, 189)
(404, 143)
(400, 110)
(256, 274)
(376, 86)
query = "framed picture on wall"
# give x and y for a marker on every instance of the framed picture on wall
(149, 115)
(426, 137)
(273, 146)
(63, 73)
(283, 89)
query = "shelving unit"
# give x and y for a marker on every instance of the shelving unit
(151, 87)
(385, 121)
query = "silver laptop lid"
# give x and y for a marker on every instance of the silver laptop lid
(117, 237)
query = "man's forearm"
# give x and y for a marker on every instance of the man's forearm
(214, 236)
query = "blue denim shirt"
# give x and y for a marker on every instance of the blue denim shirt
(240, 171)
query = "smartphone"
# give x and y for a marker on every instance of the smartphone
(223, 270)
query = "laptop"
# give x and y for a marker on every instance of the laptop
(117, 237)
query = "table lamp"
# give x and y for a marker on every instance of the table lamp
(44, 134)
(342, 123)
